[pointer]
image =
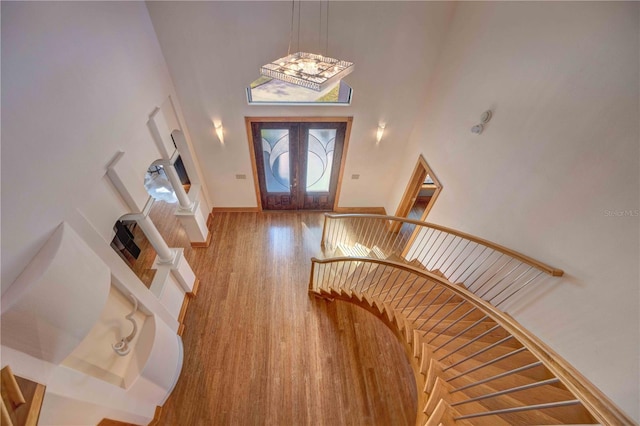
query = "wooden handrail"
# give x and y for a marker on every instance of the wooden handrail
(596, 402)
(497, 247)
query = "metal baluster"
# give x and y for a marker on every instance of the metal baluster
(435, 284)
(342, 264)
(442, 305)
(469, 286)
(486, 364)
(400, 287)
(521, 287)
(453, 262)
(451, 339)
(374, 277)
(466, 314)
(399, 273)
(398, 234)
(423, 232)
(475, 339)
(445, 317)
(507, 391)
(494, 275)
(350, 273)
(470, 264)
(426, 264)
(380, 278)
(407, 290)
(481, 351)
(519, 409)
(512, 282)
(435, 265)
(368, 266)
(433, 232)
(500, 280)
(499, 376)
(335, 226)
(423, 298)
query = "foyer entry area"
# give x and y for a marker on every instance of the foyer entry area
(259, 350)
(298, 162)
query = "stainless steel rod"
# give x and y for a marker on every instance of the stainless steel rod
(486, 364)
(453, 262)
(445, 316)
(475, 339)
(460, 333)
(470, 285)
(500, 280)
(526, 271)
(466, 314)
(493, 276)
(521, 287)
(519, 409)
(471, 264)
(499, 376)
(507, 391)
(481, 351)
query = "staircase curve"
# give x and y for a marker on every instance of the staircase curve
(446, 294)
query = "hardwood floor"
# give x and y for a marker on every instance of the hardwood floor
(259, 351)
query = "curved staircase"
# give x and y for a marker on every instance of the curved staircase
(473, 363)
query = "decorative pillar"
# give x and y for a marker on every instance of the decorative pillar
(165, 254)
(188, 212)
(183, 198)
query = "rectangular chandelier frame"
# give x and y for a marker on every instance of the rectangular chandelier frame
(315, 72)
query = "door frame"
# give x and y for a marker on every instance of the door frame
(254, 168)
(420, 171)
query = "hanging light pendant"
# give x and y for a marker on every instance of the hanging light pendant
(315, 72)
(303, 77)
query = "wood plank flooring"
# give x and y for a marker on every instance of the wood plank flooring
(259, 351)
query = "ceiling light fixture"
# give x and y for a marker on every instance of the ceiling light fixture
(303, 77)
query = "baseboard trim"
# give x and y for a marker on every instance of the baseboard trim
(156, 416)
(203, 244)
(194, 291)
(183, 308)
(235, 210)
(368, 210)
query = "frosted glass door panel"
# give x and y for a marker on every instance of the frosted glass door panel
(320, 151)
(277, 161)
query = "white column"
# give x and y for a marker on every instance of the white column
(189, 213)
(165, 254)
(185, 203)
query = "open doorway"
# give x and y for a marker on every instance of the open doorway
(420, 194)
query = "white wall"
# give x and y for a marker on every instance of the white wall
(78, 83)
(562, 150)
(79, 80)
(214, 51)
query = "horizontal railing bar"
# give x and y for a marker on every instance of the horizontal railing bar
(519, 409)
(507, 391)
(498, 376)
(479, 352)
(523, 258)
(596, 402)
(486, 364)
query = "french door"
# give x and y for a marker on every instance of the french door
(298, 163)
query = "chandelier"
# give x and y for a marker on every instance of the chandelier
(315, 72)
(303, 77)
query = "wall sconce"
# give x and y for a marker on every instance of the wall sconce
(484, 119)
(219, 130)
(380, 132)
